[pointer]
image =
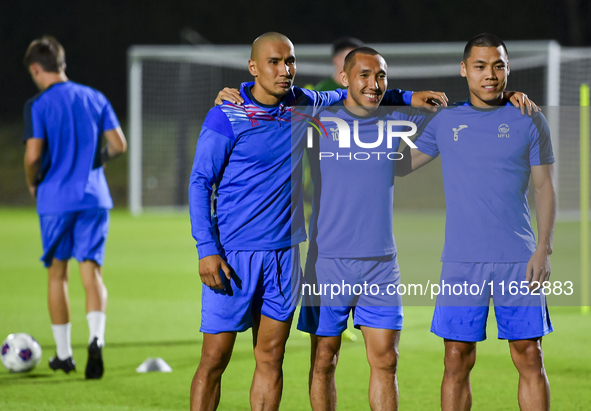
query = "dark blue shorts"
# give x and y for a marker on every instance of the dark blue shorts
(462, 315)
(336, 287)
(78, 234)
(265, 282)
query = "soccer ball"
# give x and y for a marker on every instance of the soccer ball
(20, 352)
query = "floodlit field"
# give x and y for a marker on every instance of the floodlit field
(154, 311)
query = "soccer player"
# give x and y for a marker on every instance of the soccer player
(245, 154)
(354, 246)
(340, 48)
(488, 153)
(64, 125)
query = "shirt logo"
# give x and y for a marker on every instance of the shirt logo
(383, 124)
(503, 131)
(335, 133)
(457, 130)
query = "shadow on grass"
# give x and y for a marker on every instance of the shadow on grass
(11, 379)
(132, 344)
(38, 379)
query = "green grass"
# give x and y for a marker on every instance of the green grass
(154, 311)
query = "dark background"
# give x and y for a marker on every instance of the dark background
(96, 34)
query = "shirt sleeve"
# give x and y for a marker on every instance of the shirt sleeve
(34, 125)
(109, 118)
(397, 97)
(319, 99)
(392, 97)
(328, 98)
(211, 157)
(419, 116)
(540, 150)
(427, 140)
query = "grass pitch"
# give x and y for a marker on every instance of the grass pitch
(154, 311)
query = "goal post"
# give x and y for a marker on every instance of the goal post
(584, 183)
(135, 136)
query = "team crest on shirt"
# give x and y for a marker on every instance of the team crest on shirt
(503, 131)
(457, 130)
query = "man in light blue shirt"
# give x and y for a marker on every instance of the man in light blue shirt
(64, 127)
(488, 152)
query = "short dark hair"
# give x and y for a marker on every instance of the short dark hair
(48, 52)
(483, 40)
(344, 43)
(350, 58)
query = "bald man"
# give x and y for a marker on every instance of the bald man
(249, 256)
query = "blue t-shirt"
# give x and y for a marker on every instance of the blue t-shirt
(246, 156)
(354, 187)
(486, 159)
(70, 118)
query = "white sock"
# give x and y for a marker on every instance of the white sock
(63, 340)
(96, 326)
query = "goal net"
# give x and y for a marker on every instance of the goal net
(171, 89)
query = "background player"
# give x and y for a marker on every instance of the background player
(488, 152)
(340, 48)
(63, 167)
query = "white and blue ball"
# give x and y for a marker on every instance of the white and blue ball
(20, 352)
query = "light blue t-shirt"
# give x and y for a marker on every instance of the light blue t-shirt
(354, 186)
(486, 159)
(70, 118)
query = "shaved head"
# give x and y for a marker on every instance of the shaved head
(259, 43)
(351, 57)
(272, 64)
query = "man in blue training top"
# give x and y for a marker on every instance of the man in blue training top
(246, 157)
(64, 125)
(488, 153)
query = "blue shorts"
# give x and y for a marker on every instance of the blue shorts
(336, 287)
(265, 282)
(81, 234)
(463, 317)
